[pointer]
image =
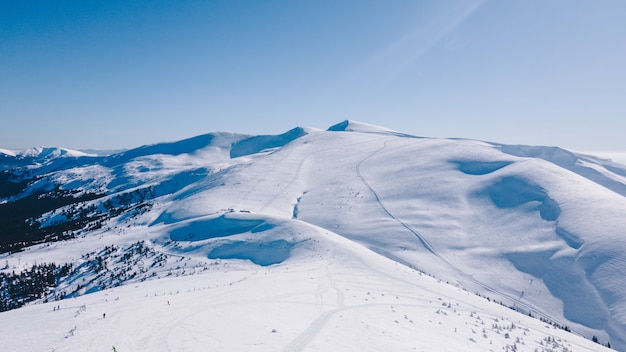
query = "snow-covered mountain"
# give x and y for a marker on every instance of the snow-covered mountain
(352, 238)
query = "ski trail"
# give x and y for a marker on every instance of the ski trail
(287, 188)
(432, 250)
(302, 340)
(423, 240)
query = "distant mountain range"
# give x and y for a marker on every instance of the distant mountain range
(541, 230)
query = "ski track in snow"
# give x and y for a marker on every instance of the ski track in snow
(382, 205)
(297, 174)
(289, 183)
(302, 340)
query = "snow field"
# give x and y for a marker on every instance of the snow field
(346, 299)
(535, 227)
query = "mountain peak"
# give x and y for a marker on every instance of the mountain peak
(356, 126)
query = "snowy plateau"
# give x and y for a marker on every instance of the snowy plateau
(353, 238)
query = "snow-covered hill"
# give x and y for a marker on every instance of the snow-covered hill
(319, 240)
(330, 295)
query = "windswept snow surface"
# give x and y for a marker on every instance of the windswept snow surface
(612, 156)
(330, 295)
(315, 240)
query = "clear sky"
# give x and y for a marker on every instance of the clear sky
(119, 74)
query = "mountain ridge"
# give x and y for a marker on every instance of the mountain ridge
(539, 228)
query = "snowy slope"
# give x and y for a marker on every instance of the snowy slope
(538, 228)
(8, 152)
(330, 295)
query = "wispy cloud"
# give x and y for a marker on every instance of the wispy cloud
(392, 60)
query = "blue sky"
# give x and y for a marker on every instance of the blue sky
(120, 74)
